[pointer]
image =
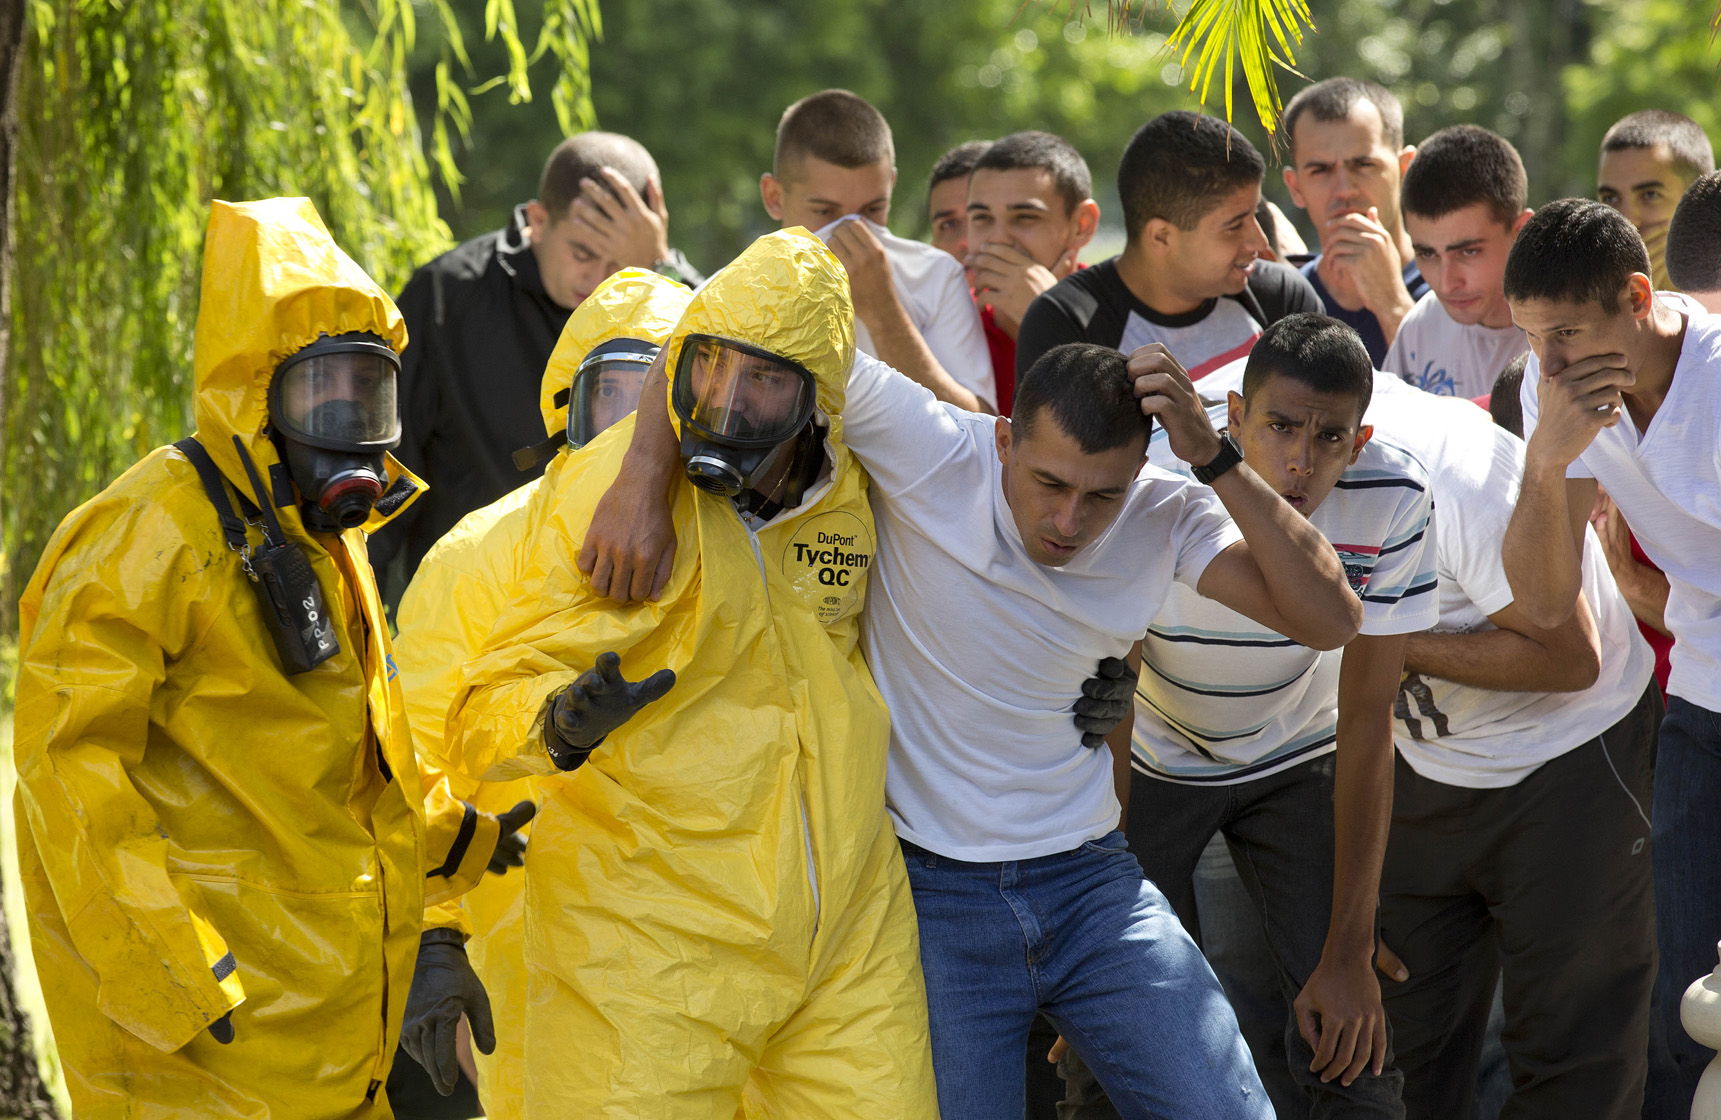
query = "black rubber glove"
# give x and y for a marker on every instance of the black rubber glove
(510, 844)
(597, 703)
(444, 988)
(1105, 700)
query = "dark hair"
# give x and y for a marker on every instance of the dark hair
(958, 162)
(1317, 350)
(1682, 136)
(1575, 250)
(1090, 395)
(579, 157)
(1461, 166)
(1177, 167)
(1504, 404)
(1044, 152)
(1694, 237)
(836, 126)
(1333, 99)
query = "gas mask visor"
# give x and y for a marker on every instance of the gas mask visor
(738, 404)
(333, 408)
(338, 393)
(606, 387)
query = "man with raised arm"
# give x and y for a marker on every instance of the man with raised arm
(986, 617)
(1623, 389)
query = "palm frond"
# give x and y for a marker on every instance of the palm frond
(1256, 35)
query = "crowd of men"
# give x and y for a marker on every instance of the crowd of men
(941, 679)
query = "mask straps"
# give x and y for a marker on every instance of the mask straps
(272, 533)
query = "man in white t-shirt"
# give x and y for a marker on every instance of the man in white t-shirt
(1463, 203)
(1520, 800)
(1242, 731)
(1624, 389)
(835, 159)
(1027, 896)
(984, 618)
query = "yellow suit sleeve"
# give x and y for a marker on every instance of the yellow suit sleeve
(458, 839)
(92, 658)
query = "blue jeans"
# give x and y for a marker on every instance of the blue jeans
(1084, 938)
(1687, 862)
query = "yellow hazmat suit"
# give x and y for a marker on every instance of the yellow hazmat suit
(462, 585)
(716, 897)
(199, 832)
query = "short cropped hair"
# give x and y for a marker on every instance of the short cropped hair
(1333, 99)
(579, 157)
(1683, 137)
(1694, 237)
(958, 162)
(1316, 350)
(836, 126)
(1043, 151)
(1089, 393)
(1504, 403)
(1461, 166)
(1178, 166)
(1575, 250)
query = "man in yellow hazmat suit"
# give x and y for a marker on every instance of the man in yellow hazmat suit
(219, 812)
(715, 906)
(464, 583)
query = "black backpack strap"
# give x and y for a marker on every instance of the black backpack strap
(232, 525)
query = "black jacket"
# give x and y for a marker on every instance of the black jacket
(480, 331)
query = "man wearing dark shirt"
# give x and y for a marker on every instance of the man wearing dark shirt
(483, 318)
(1347, 158)
(1190, 276)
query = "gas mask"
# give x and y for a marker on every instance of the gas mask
(332, 407)
(741, 408)
(606, 387)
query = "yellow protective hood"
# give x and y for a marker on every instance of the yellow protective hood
(273, 281)
(634, 303)
(786, 293)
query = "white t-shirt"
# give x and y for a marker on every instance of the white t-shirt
(1438, 354)
(1667, 482)
(1475, 737)
(934, 291)
(1221, 698)
(981, 652)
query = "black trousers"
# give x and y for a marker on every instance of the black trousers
(1550, 881)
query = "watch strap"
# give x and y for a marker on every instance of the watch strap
(1227, 458)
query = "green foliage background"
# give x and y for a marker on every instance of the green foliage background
(702, 85)
(133, 115)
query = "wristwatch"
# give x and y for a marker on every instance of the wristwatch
(668, 269)
(1227, 458)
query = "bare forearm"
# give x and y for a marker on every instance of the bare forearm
(1500, 660)
(1362, 801)
(1645, 591)
(1391, 315)
(900, 346)
(1542, 560)
(1118, 742)
(1302, 573)
(651, 455)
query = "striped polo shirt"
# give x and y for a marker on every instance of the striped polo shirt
(1221, 698)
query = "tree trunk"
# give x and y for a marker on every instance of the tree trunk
(11, 64)
(22, 1095)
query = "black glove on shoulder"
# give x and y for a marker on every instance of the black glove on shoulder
(1105, 700)
(599, 701)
